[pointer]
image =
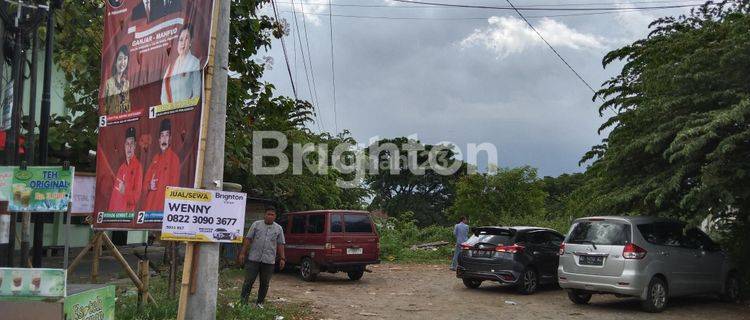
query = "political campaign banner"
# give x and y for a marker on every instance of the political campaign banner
(26, 283)
(151, 107)
(41, 189)
(203, 215)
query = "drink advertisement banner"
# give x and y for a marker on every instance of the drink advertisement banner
(41, 189)
(96, 303)
(151, 107)
(25, 283)
(203, 215)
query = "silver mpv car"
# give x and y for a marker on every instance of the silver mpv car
(645, 257)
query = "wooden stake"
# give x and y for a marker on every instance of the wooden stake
(173, 268)
(82, 254)
(116, 253)
(184, 288)
(194, 269)
(144, 275)
(97, 243)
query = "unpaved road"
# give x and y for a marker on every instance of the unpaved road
(412, 291)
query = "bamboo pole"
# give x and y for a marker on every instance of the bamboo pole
(116, 253)
(97, 243)
(187, 267)
(82, 254)
(143, 274)
(194, 269)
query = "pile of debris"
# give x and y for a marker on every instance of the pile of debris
(431, 246)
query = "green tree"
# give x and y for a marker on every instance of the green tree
(509, 197)
(680, 136)
(397, 189)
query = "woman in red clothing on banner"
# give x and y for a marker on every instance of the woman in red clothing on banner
(163, 171)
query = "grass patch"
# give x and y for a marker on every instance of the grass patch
(398, 235)
(227, 304)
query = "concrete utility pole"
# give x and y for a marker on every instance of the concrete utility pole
(202, 304)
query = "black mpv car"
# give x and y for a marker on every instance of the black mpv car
(524, 257)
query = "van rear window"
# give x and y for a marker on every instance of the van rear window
(359, 223)
(336, 223)
(602, 232)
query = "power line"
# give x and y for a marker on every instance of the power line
(551, 47)
(464, 18)
(529, 8)
(304, 62)
(333, 70)
(283, 47)
(312, 70)
(427, 6)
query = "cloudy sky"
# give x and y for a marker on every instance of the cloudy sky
(462, 75)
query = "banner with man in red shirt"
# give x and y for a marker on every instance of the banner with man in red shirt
(154, 55)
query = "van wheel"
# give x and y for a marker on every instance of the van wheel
(355, 275)
(579, 297)
(308, 270)
(529, 281)
(472, 283)
(732, 289)
(656, 297)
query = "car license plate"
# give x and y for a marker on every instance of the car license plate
(591, 260)
(481, 253)
(353, 250)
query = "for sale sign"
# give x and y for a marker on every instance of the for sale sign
(203, 215)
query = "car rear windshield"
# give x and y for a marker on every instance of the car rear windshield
(359, 223)
(495, 237)
(602, 232)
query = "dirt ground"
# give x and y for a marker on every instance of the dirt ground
(411, 291)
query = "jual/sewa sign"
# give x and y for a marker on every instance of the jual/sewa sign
(203, 215)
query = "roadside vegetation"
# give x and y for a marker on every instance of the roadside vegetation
(228, 306)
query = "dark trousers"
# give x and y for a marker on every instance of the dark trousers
(252, 270)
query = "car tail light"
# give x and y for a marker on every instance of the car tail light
(562, 249)
(329, 248)
(632, 251)
(465, 246)
(510, 249)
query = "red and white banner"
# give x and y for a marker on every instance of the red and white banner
(150, 105)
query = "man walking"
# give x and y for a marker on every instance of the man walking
(265, 240)
(461, 232)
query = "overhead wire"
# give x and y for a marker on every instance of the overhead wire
(529, 8)
(333, 68)
(551, 48)
(426, 6)
(463, 18)
(312, 70)
(304, 62)
(283, 47)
